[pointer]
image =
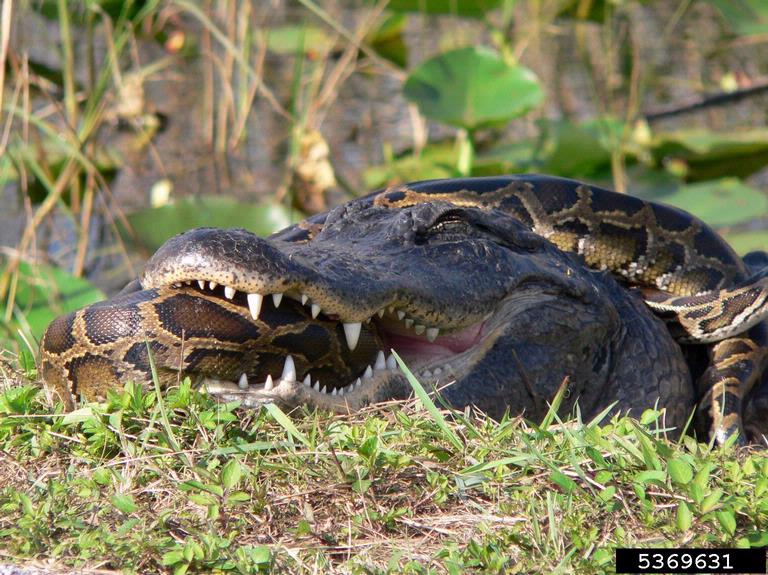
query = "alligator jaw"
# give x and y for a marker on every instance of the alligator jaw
(441, 362)
(374, 386)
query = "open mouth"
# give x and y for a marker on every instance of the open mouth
(432, 353)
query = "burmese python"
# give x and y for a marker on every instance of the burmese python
(688, 274)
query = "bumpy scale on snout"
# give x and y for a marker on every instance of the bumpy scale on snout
(477, 305)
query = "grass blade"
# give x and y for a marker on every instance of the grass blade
(427, 402)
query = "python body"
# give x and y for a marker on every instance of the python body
(478, 283)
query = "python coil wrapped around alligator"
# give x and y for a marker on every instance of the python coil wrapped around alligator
(493, 290)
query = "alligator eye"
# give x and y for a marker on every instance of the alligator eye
(450, 221)
(448, 226)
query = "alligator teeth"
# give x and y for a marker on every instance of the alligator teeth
(242, 383)
(419, 329)
(437, 371)
(380, 313)
(432, 333)
(391, 309)
(334, 391)
(400, 314)
(188, 282)
(426, 374)
(316, 387)
(268, 384)
(201, 283)
(368, 373)
(307, 381)
(289, 370)
(212, 285)
(381, 362)
(409, 323)
(358, 383)
(324, 390)
(304, 299)
(315, 310)
(277, 298)
(391, 362)
(254, 304)
(352, 333)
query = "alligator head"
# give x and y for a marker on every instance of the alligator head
(473, 301)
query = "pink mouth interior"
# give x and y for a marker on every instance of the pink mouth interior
(417, 349)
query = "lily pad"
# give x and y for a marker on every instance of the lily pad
(153, 226)
(707, 155)
(749, 241)
(44, 292)
(745, 17)
(472, 88)
(723, 202)
(579, 149)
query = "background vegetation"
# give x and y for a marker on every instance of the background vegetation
(122, 123)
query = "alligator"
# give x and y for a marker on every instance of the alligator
(496, 292)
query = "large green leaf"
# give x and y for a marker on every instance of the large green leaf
(44, 292)
(471, 88)
(153, 226)
(706, 155)
(745, 17)
(579, 149)
(723, 202)
(469, 8)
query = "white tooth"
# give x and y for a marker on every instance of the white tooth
(381, 312)
(352, 333)
(359, 382)
(268, 384)
(188, 282)
(212, 285)
(426, 374)
(254, 304)
(324, 390)
(438, 371)
(391, 309)
(315, 310)
(368, 373)
(316, 387)
(242, 383)
(400, 314)
(391, 362)
(307, 381)
(342, 391)
(419, 329)
(368, 320)
(201, 283)
(289, 370)
(304, 299)
(409, 323)
(277, 298)
(229, 292)
(335, 391)
(381, 362)
(432, 333)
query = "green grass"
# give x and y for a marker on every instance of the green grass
(178, 483)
